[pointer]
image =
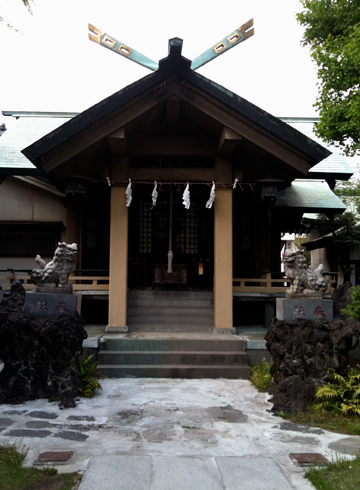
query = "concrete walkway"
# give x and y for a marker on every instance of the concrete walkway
(172, 434)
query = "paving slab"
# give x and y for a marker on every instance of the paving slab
(252, 474)
(118, 473)
(186, 474)
(348, 445)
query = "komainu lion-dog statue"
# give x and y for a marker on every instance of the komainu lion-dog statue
(303, 280)
(58, 270)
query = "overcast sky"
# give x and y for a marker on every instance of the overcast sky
(53, 66)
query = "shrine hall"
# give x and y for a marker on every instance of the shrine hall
(173, 183)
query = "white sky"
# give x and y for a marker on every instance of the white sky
(53, 66)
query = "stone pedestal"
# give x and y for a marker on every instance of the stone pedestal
(50, 304)
(303, 308)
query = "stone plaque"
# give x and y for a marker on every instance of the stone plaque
(304, 309)
(50, 304)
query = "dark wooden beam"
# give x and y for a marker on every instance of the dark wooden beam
(117, 141)
(228, 142)
(173, 107)
(171, 145)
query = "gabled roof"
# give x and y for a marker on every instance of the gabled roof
(175, 65)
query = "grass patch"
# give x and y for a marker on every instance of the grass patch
(340, 475)
(14, 477)
(260, 375)
(334, 422)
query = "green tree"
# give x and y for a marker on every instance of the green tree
(332, 31)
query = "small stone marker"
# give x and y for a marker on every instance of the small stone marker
(304, 308)
(54, 457)
(50, 305)
(309, 459)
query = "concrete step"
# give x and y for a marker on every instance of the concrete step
(175, 371)
(172, 357)
(187, 326)
(203, 342)
(146, 294)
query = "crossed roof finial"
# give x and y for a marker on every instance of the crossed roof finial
(110, 42)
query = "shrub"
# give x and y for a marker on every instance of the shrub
(353, 310)
(260, 375)
(341, 396)
(87, 375)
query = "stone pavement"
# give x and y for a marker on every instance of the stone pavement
(172, 434)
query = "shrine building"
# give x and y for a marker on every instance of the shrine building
(112, 179)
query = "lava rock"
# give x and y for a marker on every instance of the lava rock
(341, 298)
(303, 351)
(39, 356)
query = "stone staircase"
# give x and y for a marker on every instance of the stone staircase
(171, 311)
(171, 336)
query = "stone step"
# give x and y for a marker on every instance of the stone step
(220, 343)
(175, 371)
(146, 294)
(170, 303)
(168, 319)
(167, 326)
(172, 357)
(170, 311)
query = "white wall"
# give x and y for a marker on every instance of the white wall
(21, 201)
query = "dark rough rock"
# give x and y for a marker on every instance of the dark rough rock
(303, 351)
(341, 298)
(39, 356)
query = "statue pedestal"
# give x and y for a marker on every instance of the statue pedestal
(300, 307)
(50, 304)
(68, 289)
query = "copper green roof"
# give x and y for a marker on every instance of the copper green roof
(310, 196)
(335, 166)
(21, 133)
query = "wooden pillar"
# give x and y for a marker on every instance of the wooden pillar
(119, 219)
(223, 259)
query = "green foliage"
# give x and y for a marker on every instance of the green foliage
(353, 310)
(332, 30)
(335, 421)
(14, 477)
(349, 192)
(338, 475)
(345, 236)
(260, 375)
(341, 396)
(299, 239)
(89, 383)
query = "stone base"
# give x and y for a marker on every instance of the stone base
(304, 309)
(68, 289)
(312, 295)
(111, 329)
(49, 305)
(225, 331)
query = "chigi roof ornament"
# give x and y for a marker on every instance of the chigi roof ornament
(110, 42)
